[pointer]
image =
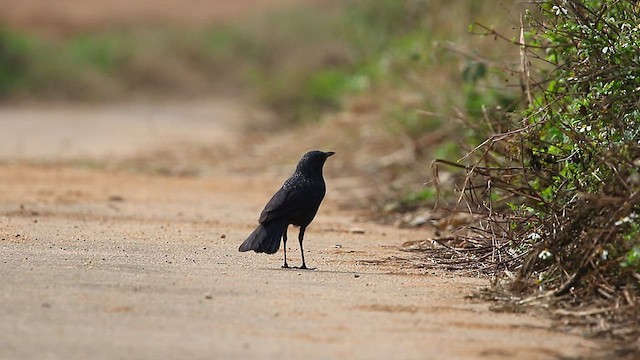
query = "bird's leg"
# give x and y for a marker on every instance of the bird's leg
(284, 243)
(300, 239)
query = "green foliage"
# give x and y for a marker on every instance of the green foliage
(301, 61)
(296, 60)
(368, 45)
(373, 25)
(585, 124)
(306, 96)
(15, 57)
(327, 86)
(414, 198)
(570, 155)
(408, 122)
(99, 52)
(632, 259)
(448, 150)
(380, 42)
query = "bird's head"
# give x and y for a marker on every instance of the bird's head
(313, 161)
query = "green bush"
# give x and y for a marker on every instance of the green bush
(15, 58)
(555, 184)
(566, 165)
(583, 131)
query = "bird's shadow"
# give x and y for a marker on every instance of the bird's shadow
(316, 270)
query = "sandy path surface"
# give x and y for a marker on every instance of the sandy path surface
(55, 132)
(114, 264)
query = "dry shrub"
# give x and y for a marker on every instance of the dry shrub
(555, 187)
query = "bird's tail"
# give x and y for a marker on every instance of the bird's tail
(265, 238)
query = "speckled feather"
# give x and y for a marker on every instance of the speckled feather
(296, 203)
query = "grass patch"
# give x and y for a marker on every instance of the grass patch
(288, 58)
(118, 63)
(16, 53)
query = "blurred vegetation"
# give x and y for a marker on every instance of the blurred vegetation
(116, 64)
(414, 60)
(287, 57)
(300, 62)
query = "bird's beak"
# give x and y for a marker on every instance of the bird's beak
(328, 153)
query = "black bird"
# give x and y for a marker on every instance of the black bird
(296, 203)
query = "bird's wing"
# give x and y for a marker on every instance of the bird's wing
(283, 203)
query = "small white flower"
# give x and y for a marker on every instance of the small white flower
(534, 236)
(604, 255)
(585, 128)
(560, 10)
(541, 279)
(624, 220)
(627, 219)
(545, 254)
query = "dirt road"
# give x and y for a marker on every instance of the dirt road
(103, 261)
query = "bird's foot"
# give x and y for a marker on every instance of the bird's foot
(285, 266)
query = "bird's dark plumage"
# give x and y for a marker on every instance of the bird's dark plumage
(296, 203)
